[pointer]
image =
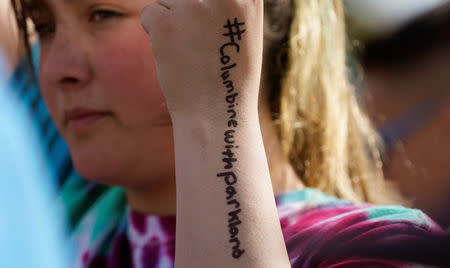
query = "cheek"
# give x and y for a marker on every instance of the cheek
(126, 70)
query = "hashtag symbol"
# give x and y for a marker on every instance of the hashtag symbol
(234, 29)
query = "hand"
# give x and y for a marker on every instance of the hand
(197, 57)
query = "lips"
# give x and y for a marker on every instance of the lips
(81, 119)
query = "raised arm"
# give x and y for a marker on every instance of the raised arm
(209, 56)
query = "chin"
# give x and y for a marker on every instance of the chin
(112, 169)
(95, 173)
(98, 168)
(121, 161)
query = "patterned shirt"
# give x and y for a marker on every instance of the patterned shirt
(314, 226)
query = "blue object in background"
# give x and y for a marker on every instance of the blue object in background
(31, 231)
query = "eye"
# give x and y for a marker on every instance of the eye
(101, 15)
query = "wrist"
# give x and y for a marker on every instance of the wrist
(207, 126)
(215, 115)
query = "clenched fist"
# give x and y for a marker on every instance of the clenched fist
(208, 53)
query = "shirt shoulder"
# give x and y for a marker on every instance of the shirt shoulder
(323, 231)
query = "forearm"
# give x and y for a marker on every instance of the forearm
(209, 70)
(226, 213)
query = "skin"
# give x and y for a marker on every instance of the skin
(9, 43)
(140, 128)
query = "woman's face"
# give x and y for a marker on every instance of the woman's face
(98, 79)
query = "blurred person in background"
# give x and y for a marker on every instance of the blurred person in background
(406, 60)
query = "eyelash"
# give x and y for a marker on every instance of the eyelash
(105, 15)
(97, 16)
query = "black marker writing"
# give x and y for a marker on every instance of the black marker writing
(228, 156)
(235, 26)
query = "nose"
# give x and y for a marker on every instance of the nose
(64, 62)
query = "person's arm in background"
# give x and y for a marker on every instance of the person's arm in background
(209, 57)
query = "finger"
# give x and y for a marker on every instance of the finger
(151, 14)
(166, 3)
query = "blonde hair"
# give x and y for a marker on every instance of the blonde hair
(328, 140)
